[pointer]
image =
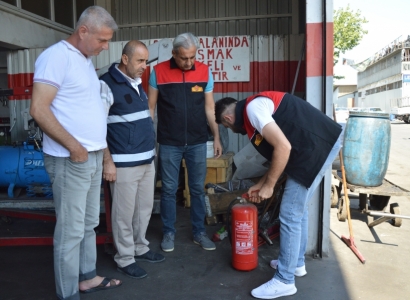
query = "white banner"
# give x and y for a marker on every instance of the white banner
(226, 56)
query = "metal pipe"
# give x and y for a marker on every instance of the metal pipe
(319, 249)
(393, 216)
(74, 7)
(215, 186)
(52, 12)
(298, 67)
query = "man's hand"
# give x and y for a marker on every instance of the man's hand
(260, 192)
(109, 171)
(266, 191)
(210, 116)
(253, 193)
(217, 148)
(79, 154)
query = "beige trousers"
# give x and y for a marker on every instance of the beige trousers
(132, 203)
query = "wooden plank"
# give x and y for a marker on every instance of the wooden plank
(387, 188)
(222, 162)
(211, 175)
(219, 202)
(220, 175)
(218, 170)
(211, 220)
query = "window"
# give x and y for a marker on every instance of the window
(63, 9)
(81, 5)
(397, 84)
(12, 2)
(38, 7)
(64, 12)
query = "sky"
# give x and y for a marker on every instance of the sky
(388, 19)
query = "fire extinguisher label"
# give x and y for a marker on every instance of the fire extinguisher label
(244, 237)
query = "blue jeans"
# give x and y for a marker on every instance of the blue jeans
(76, 194)
(293, 217)
(170, 158)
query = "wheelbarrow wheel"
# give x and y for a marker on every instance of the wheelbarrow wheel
(362, 201)
(339, 189)
(378, 202)
(334, 196)
(342, 212)
(395, 209)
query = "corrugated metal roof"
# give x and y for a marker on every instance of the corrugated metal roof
(141, 19)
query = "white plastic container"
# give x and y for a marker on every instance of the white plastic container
(210, 149)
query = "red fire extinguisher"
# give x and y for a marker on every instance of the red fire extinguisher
(244, 235)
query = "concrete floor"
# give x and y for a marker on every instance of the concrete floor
(192, 273)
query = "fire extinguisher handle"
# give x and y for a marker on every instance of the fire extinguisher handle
(246, 195)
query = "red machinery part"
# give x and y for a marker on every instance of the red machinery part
(244, 236)
(101, 238)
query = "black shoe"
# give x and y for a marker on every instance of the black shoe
(150, 256)
(133, 271)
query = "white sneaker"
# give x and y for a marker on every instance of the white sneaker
(274, 289)
(299, 272)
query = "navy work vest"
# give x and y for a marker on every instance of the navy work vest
(130, 129)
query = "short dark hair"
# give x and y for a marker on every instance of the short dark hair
(220, 107)
(130, 47)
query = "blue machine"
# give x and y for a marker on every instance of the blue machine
(23, 166)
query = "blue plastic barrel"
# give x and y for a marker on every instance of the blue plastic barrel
(366, 148)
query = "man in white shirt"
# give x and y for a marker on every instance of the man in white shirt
(66, 104)
(129, 158)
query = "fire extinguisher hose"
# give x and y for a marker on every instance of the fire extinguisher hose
(228, 217)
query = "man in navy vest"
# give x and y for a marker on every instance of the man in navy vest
(129, 158)
(299, 141)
